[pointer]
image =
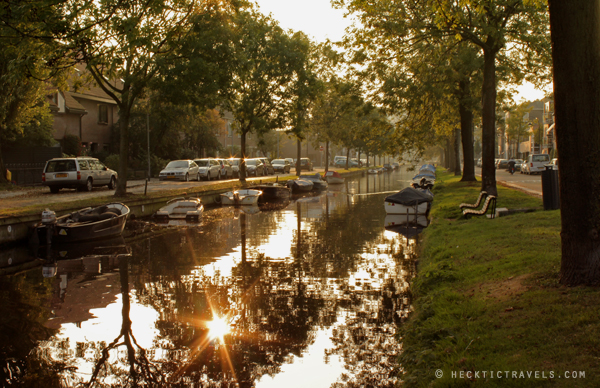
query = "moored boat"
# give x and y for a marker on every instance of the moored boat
(333, 178)
(84, 225)
(408, 201)
(273, 192)
(244, 197)
(392, 220)
(300, 185)
(318, 182)
(189, 209)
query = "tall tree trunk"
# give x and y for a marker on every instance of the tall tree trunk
(575, 33)
(243, 161)
(121, 190)
(298, 164)
(326, 156)
(3, 170)
(347, 158)
(488, 120)
(456, 143)
(466, 132)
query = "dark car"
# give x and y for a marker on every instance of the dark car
(306, 164)
(268, 168)
(254, 167)
(281, 166)
(502, 164)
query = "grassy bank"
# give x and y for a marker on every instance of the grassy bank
(488, 305)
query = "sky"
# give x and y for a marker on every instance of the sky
(318, 20)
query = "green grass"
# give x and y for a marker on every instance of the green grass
(486, 298)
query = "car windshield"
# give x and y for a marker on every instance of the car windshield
(234, 162)
(251, 162)
(202, 163)
(540, 158)
(61, 165)
(303, 161)
(177, 164)
(278, 161)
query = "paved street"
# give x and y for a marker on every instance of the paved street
(529, 183)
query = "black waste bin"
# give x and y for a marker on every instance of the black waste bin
(550, 192)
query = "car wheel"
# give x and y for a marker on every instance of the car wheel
(112, 183)
(89, 185)
(54, 189)
(187, 177)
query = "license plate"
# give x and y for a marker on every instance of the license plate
(171, 177)
(62, 175)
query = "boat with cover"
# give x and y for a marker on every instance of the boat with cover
(83, 225)
(273, 192)
(189, 209)
(333, 178)
(318, 182)
(244, 197)
(408, 201)
(300, 185)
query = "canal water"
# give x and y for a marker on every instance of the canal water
(305, 295)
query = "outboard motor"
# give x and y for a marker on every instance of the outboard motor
(49, 220)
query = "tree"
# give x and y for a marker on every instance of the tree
(516, 127)
(575, 29)
(268, 65)
(25, 116)
(132, 43)
(515, 31)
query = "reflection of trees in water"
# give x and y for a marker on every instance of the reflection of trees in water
(23, 312)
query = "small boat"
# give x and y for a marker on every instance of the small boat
(318, 182)
(392, 220)
(427, 168)
(189, 209)
(244, 197)
(273, 192)
(333, 178)
(83, 225)
(408, 201)
(373, 171)
(300, 185)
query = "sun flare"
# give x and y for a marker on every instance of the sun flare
(218, 328)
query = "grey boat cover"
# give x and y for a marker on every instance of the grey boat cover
(409, 196)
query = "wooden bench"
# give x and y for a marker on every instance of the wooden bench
(490, 201)
(482, 195)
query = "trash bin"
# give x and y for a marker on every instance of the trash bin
(550, 191)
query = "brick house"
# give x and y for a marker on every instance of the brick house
(87, 113)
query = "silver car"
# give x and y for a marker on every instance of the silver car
(226, 170)
(183, 170)
(208, 168)
(81, 173)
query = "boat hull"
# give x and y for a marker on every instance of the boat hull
(392, 220)
(181, 209)
(241, 197)
(77, 227)
(396, 208)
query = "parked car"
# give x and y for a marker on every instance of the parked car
(267, 167)
(235, 166)
(208, 168)
(502, 164)
(536, 163)
(518, 164)
(306, 164)
(281, 166)
(225, 170)
(554, 163)
(180, 170)
(81, 173)
(254, 167)
(339, 161)
(479, 162)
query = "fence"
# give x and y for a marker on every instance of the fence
(26, 173)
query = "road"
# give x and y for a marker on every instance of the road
(41, 195)
(529, 183)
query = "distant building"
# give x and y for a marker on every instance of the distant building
(88, 113)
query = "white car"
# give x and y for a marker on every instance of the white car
(225, 169)
(208, 168)
(183, 170)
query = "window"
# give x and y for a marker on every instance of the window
(103, 114)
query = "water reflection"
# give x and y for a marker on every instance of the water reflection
(313, 291)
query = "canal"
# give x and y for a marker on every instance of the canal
(308, 294)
